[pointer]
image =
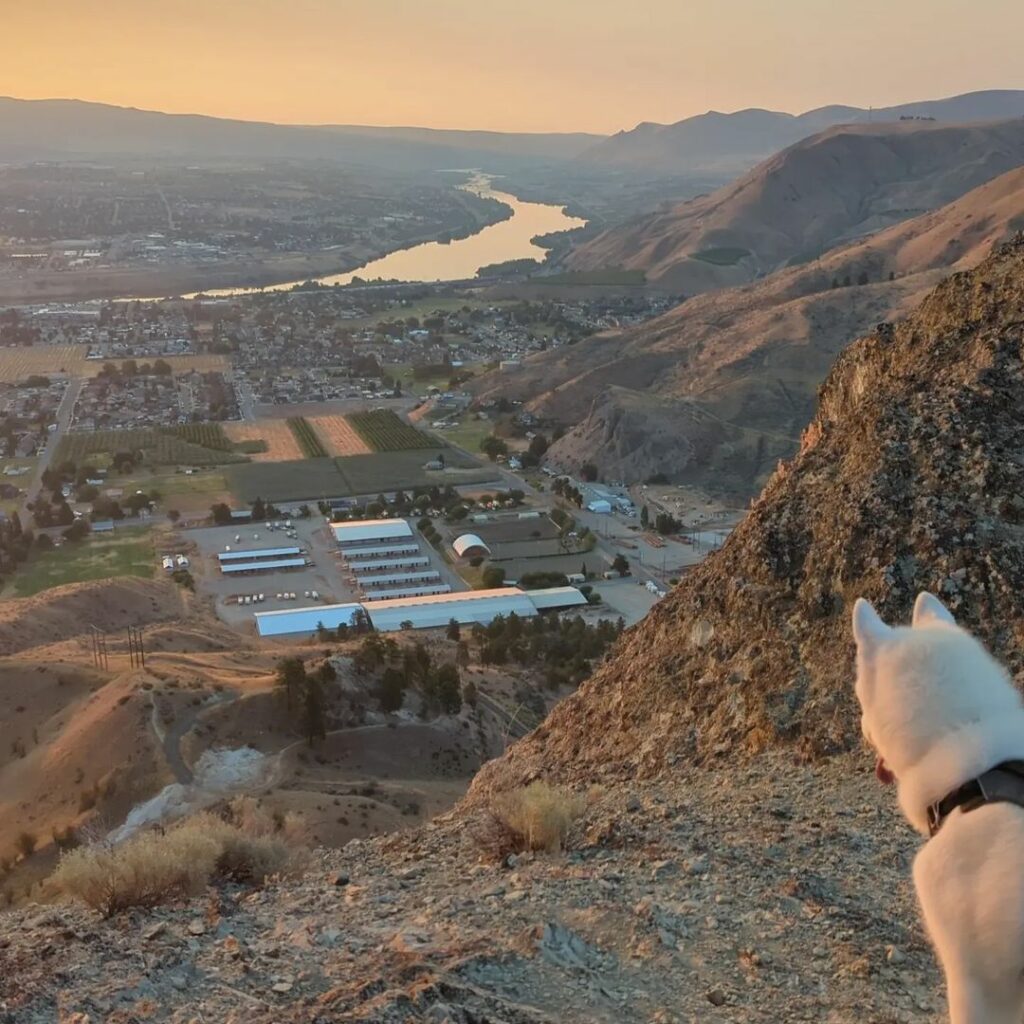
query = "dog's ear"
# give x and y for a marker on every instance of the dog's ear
(868, 629)
(930, 611)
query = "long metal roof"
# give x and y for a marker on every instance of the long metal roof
(304, 620)
(424, 611)
(399, 577)
(277, 563)
(389, 563)
(252, 553)
(413, 590)
(369, 551)
(371, 529)
(439, 609)
(556, 597)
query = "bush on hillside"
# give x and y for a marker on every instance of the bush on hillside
(538, 816)
(154, 867)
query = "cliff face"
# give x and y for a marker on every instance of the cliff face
(910, 477)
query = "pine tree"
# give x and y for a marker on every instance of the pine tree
(313, 723)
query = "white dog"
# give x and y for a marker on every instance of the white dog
(941, 714)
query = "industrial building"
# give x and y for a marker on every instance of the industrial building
(263, 566)
(419, 590)
(304, 620)
(424, 611)
(404, 562)
(355, 555)
(255, 554)
(469, 545)
(392, 578)
(370, 531)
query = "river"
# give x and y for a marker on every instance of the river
(510, 239)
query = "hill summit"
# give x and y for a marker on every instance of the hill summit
(909, 478)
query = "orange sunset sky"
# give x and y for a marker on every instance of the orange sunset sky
(558, 65)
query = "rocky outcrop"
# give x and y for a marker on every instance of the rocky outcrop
(910, 477)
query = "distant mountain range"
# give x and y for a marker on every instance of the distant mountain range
(74, 129)
(831, 188)
(715, 391)
(732, 142)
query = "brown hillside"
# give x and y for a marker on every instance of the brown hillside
(833, 187)
(719, 388)
(909, 478)
(69, 611)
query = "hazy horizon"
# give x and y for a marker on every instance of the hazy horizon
(569, 66)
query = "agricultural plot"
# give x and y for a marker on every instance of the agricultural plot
(301, 480)
(306, 437)
(70, 361)
(383, 431)
(206, 435)
(316, 479)
(274, 437)
(339, 437)
(18, 363)
(159, 447)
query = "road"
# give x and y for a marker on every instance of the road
(515, 724)
(64, 412)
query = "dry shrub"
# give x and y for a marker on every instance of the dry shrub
(538, 816)
(154, 867)
(144, 871)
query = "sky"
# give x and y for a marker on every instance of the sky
(513, 65)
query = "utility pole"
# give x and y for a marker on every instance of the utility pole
(100, 658)
(136, 650)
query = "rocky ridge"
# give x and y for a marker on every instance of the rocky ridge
(908, 478)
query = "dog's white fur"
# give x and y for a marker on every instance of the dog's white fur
(939, 710)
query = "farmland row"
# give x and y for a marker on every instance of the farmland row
(383, 431)
(307, 437)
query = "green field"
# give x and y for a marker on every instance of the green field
(306, 437)
(206, 435)
(467, 433)
(383, 431)
(316, 479)
(127, 552)
(724, 256)
(162, 447)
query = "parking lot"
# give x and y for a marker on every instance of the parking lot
(324, 575)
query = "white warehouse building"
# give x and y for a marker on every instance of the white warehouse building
(370, 531)
(425, 611)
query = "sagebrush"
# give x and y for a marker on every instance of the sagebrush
(154, 867)
(538, 816)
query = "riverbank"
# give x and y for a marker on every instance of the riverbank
(224, 277)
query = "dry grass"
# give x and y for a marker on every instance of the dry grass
(154, 867)
(339, 436)
(538, 816)
(281, 443)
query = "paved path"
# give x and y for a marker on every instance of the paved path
(64, 411)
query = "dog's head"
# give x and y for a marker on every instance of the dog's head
(918, 684)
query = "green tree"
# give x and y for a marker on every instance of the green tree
(313, 722)
(448, 689)
(620, 564)
(493, 577)
(221, 514)
(454, 631)
(290, 677)
(493, 446)
(391, 690)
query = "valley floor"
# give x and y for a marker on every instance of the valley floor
(762, 892)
